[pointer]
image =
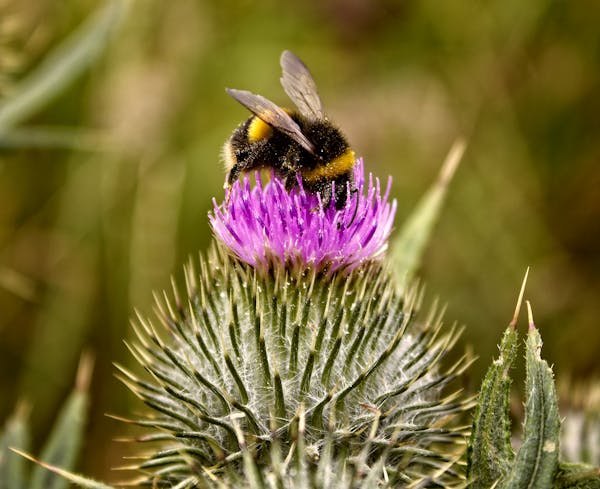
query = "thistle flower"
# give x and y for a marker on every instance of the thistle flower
(318, 369)
(266, 225)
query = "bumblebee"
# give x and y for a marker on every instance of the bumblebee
(300, 142)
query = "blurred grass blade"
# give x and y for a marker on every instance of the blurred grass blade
(65, 311)
(17, 283)
(63, 446)
(406, 250)
(15, 435)
(537, 459)
(490, 451)
(61, 66)
(75, 138)
(66, 475)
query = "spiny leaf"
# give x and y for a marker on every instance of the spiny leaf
(15, 435)
(68, 476)
(577, 476)
(406, 250)
(64, 443)
(537, 459)
(490, 452)
(61, 66)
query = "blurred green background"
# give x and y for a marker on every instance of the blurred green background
(105, 187)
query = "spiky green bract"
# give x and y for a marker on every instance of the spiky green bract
(490, 452)
(537, 459)
(298, 469)
(232, 366)
(295, 468)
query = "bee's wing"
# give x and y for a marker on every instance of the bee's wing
(298, 83)
(272, 114)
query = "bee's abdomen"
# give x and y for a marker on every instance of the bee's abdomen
(329, 170)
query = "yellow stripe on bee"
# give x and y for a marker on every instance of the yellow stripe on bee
(258, 129)
(336, 167)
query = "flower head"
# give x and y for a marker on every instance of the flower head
(266, 224)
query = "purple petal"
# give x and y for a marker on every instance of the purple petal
(265, 225)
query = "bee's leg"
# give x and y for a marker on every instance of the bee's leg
(289, 170)
(340, 195)
(353, 190)
(326, 192)
(350, 192)
(344, 188)
(233, 175)
(290, 179)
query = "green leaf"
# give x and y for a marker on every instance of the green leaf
(406, 250)
(537, 459)
(64, 443)
(65, 63)
(12, 467)
(490, 451)
(577, 476)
